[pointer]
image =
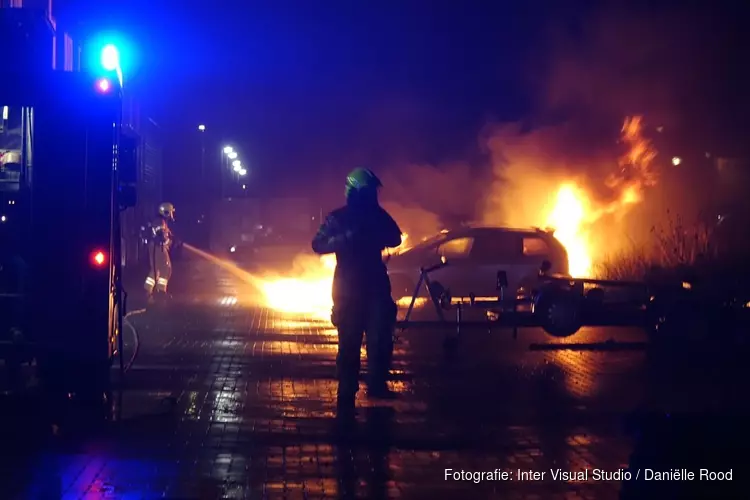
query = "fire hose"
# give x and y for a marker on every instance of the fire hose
(136, 338)
(126, 322)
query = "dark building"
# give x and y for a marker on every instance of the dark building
(32, 42)
(31, 24)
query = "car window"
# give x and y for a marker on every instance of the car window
(427, 243)
(456, 249)
(496, 247)
(533, 247)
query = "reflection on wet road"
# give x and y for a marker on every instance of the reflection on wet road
(226, 399)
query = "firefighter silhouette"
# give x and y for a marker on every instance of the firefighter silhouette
(362, 304)
(159, 243)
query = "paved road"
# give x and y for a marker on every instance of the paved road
(228, 400)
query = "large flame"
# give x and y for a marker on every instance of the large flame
(571, 211)
(568, 218)
(309, 292)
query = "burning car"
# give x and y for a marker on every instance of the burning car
(475, 255)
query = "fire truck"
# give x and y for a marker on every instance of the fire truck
(66, 173)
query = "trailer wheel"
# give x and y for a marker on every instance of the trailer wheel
(559, 312)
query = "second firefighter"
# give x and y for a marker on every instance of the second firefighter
(160, 241)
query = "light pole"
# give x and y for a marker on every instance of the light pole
(203, 197)
(202, 130)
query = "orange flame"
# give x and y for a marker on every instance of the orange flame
(574, 213)
(568, 217)
(308, 293)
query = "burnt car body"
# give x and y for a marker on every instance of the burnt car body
(474, 256)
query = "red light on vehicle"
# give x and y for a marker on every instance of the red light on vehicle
(103, 85)
(98, 258)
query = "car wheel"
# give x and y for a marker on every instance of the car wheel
(594, 299)
(559, 312)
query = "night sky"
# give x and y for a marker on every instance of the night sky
(307, 90)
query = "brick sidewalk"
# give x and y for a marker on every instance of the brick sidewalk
(227, 400)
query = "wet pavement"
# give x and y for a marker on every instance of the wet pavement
(227, 400)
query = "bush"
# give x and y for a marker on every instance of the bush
(673, 247)
(627, 265)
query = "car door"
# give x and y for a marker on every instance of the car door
(495, 251)
(535, 251)
(455, 252)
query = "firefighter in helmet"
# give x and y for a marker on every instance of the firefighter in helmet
(160, 241)
(358, 233)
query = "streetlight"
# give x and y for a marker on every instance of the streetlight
(242, 171)
(202, 128)
(230, 155)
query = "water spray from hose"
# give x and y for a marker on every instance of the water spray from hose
(227, 266)
(290, 294)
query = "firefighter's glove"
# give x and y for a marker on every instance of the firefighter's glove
(341, 240)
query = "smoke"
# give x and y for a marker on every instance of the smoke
(527, 170)
(584, 84)
(415, 221)
(425, 199)
(585, 81)
(521, 185)
(626, 62)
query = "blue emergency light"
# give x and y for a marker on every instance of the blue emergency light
(109, 56)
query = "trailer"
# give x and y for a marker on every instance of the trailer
(562, 305)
